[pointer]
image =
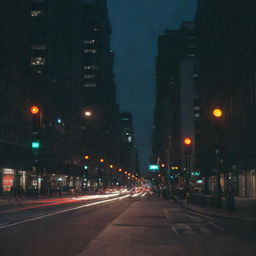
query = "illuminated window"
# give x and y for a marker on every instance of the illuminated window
(38, 61)
(89, 41)
(90, 67)
(90, 51)
(89, 85)
(35, 13)
(89, 76)
(38, 47)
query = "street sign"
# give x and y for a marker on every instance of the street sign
(35, 144)
(153, 168)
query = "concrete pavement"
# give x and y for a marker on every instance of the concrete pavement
(153, 227)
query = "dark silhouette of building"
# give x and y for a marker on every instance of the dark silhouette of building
(174, 114)
(16, 80)
(52, 54)
(129, 154)
(226, 61)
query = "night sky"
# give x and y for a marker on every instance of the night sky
(136, 26)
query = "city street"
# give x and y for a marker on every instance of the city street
(139, 225)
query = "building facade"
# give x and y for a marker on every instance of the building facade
(52, 59)
(226, 62)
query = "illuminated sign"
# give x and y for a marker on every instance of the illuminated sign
(154, 167)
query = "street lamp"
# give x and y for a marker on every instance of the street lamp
(217, 112)
(87, 113)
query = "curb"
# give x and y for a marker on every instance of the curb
(217, 214)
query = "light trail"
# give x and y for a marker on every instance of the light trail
(58, 201)
(135, 195)
(62, 211)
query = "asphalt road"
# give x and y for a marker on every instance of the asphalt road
(151, 227)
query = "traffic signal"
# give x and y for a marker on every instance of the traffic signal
(35, 119)
(34, 110)
(187, 145)
(187, 141)
(86, 157)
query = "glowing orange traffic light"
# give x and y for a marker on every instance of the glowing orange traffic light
(119, 169)
(86, 157)
(111, 166)
(102, 160)
(217, 112)
(34, 110)
(187, 141)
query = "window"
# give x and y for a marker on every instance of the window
(38, 47)
(36, 13)
(92, 41)
(89, 76)
(89, 85)
(90, 51)
(38, 61)
(90, 67)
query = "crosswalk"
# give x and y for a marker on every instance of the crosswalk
(184, 223)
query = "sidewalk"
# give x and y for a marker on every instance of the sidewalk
(245, 209)
(141, 230)
(155, 227)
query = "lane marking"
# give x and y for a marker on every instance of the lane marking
(175, 230)
(217, 227)
(62, 211)
(210, 223)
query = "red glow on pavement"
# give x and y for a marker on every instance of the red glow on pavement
(33, 204)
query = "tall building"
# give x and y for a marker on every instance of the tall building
(129, 154)
(174, 116)
(226, 61)
(98, 89)
(48, 60)
(16, 80)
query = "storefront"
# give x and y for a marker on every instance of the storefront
(247, 183)
(7, 179)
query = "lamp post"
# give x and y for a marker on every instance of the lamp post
(218, 114)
